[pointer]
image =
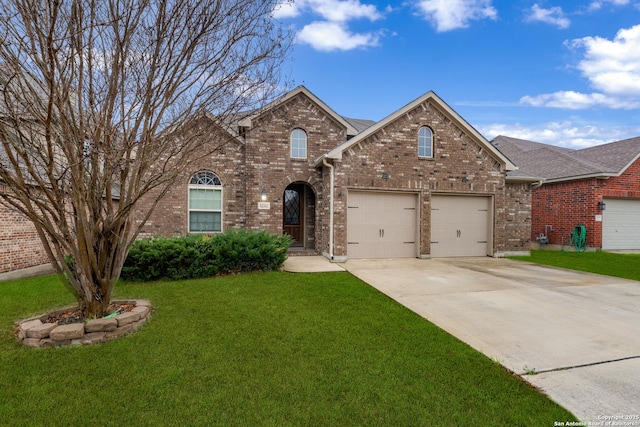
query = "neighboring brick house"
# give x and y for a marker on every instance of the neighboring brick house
(420, 183)
(597, 187)
(20, 245)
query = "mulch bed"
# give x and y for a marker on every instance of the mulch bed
(74, 315)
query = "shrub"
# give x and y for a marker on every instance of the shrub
(233, 251)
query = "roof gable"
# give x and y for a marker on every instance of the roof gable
(336, 153)
(351, 129)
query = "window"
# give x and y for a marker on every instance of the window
(425, 142)
(298, 144)
(205, 203)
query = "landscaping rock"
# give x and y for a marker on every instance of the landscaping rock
(94, 338)
(127, 318)
(67, 332)
(25, 326)
(143, 310)
(47, 342)
(41, 331)
(31, 342)
(122, 330)
(33, 332)
(101, 325)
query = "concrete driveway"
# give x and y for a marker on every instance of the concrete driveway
(579, 332)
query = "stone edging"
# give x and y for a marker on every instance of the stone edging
(33, 332)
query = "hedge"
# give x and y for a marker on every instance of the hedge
(233, 251)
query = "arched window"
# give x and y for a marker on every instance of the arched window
(205, 203)
(425, 142)
(298, 144)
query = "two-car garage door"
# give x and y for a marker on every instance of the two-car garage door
(386, 225)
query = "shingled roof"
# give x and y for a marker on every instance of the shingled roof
(553, 163)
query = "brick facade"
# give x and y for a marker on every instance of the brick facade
(220, 154)
(392, 151)
(563, 205)
(262, 161)
(384, 159)
(20, 246)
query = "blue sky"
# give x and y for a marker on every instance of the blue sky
(560, 72)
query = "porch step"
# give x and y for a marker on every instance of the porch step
(298, 251)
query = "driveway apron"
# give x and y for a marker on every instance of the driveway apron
(574, 335)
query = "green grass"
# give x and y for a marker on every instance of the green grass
(626, 266)
(259, 349)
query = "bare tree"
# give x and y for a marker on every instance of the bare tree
(94, 97)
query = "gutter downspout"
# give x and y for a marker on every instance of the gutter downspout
(331, 185)
(537, 184)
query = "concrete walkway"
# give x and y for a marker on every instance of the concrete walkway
(577, 331)
(39, 270)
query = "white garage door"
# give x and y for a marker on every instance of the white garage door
(382, 225)
(461, 226)
(621, 224)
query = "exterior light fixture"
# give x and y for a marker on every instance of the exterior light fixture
(263, 195)
(465, 179)
(602, 205)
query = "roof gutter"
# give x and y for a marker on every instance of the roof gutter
(603, 175)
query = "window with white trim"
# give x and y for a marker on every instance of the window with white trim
(298, 144)
(425, 142)
(205, 203)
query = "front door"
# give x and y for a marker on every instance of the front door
(293, 215)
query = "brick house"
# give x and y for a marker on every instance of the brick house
(419, 183)
(597, 187)
(20, 245)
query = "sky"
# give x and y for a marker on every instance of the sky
(565, 73)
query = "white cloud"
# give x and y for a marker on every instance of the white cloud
(330, 10)
(571, 100)
(341, 11)
(598, 4)
(449, 15)
(330, 36)
(332, 32)
(566, 133)
(612, 68)
(286, 10)
(554, 16)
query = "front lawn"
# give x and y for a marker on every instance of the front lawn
(626, 266)
(259, 349)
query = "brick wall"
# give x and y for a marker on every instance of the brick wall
(20, 246)
(261, 162)
(170, 217)
(270, 166)
(627, 185)
(517, 225)
(566, 204)
(393, 151)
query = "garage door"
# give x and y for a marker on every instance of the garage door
(382, 225)
(461, 226)
(621, 224)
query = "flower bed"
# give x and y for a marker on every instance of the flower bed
(51, 329)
